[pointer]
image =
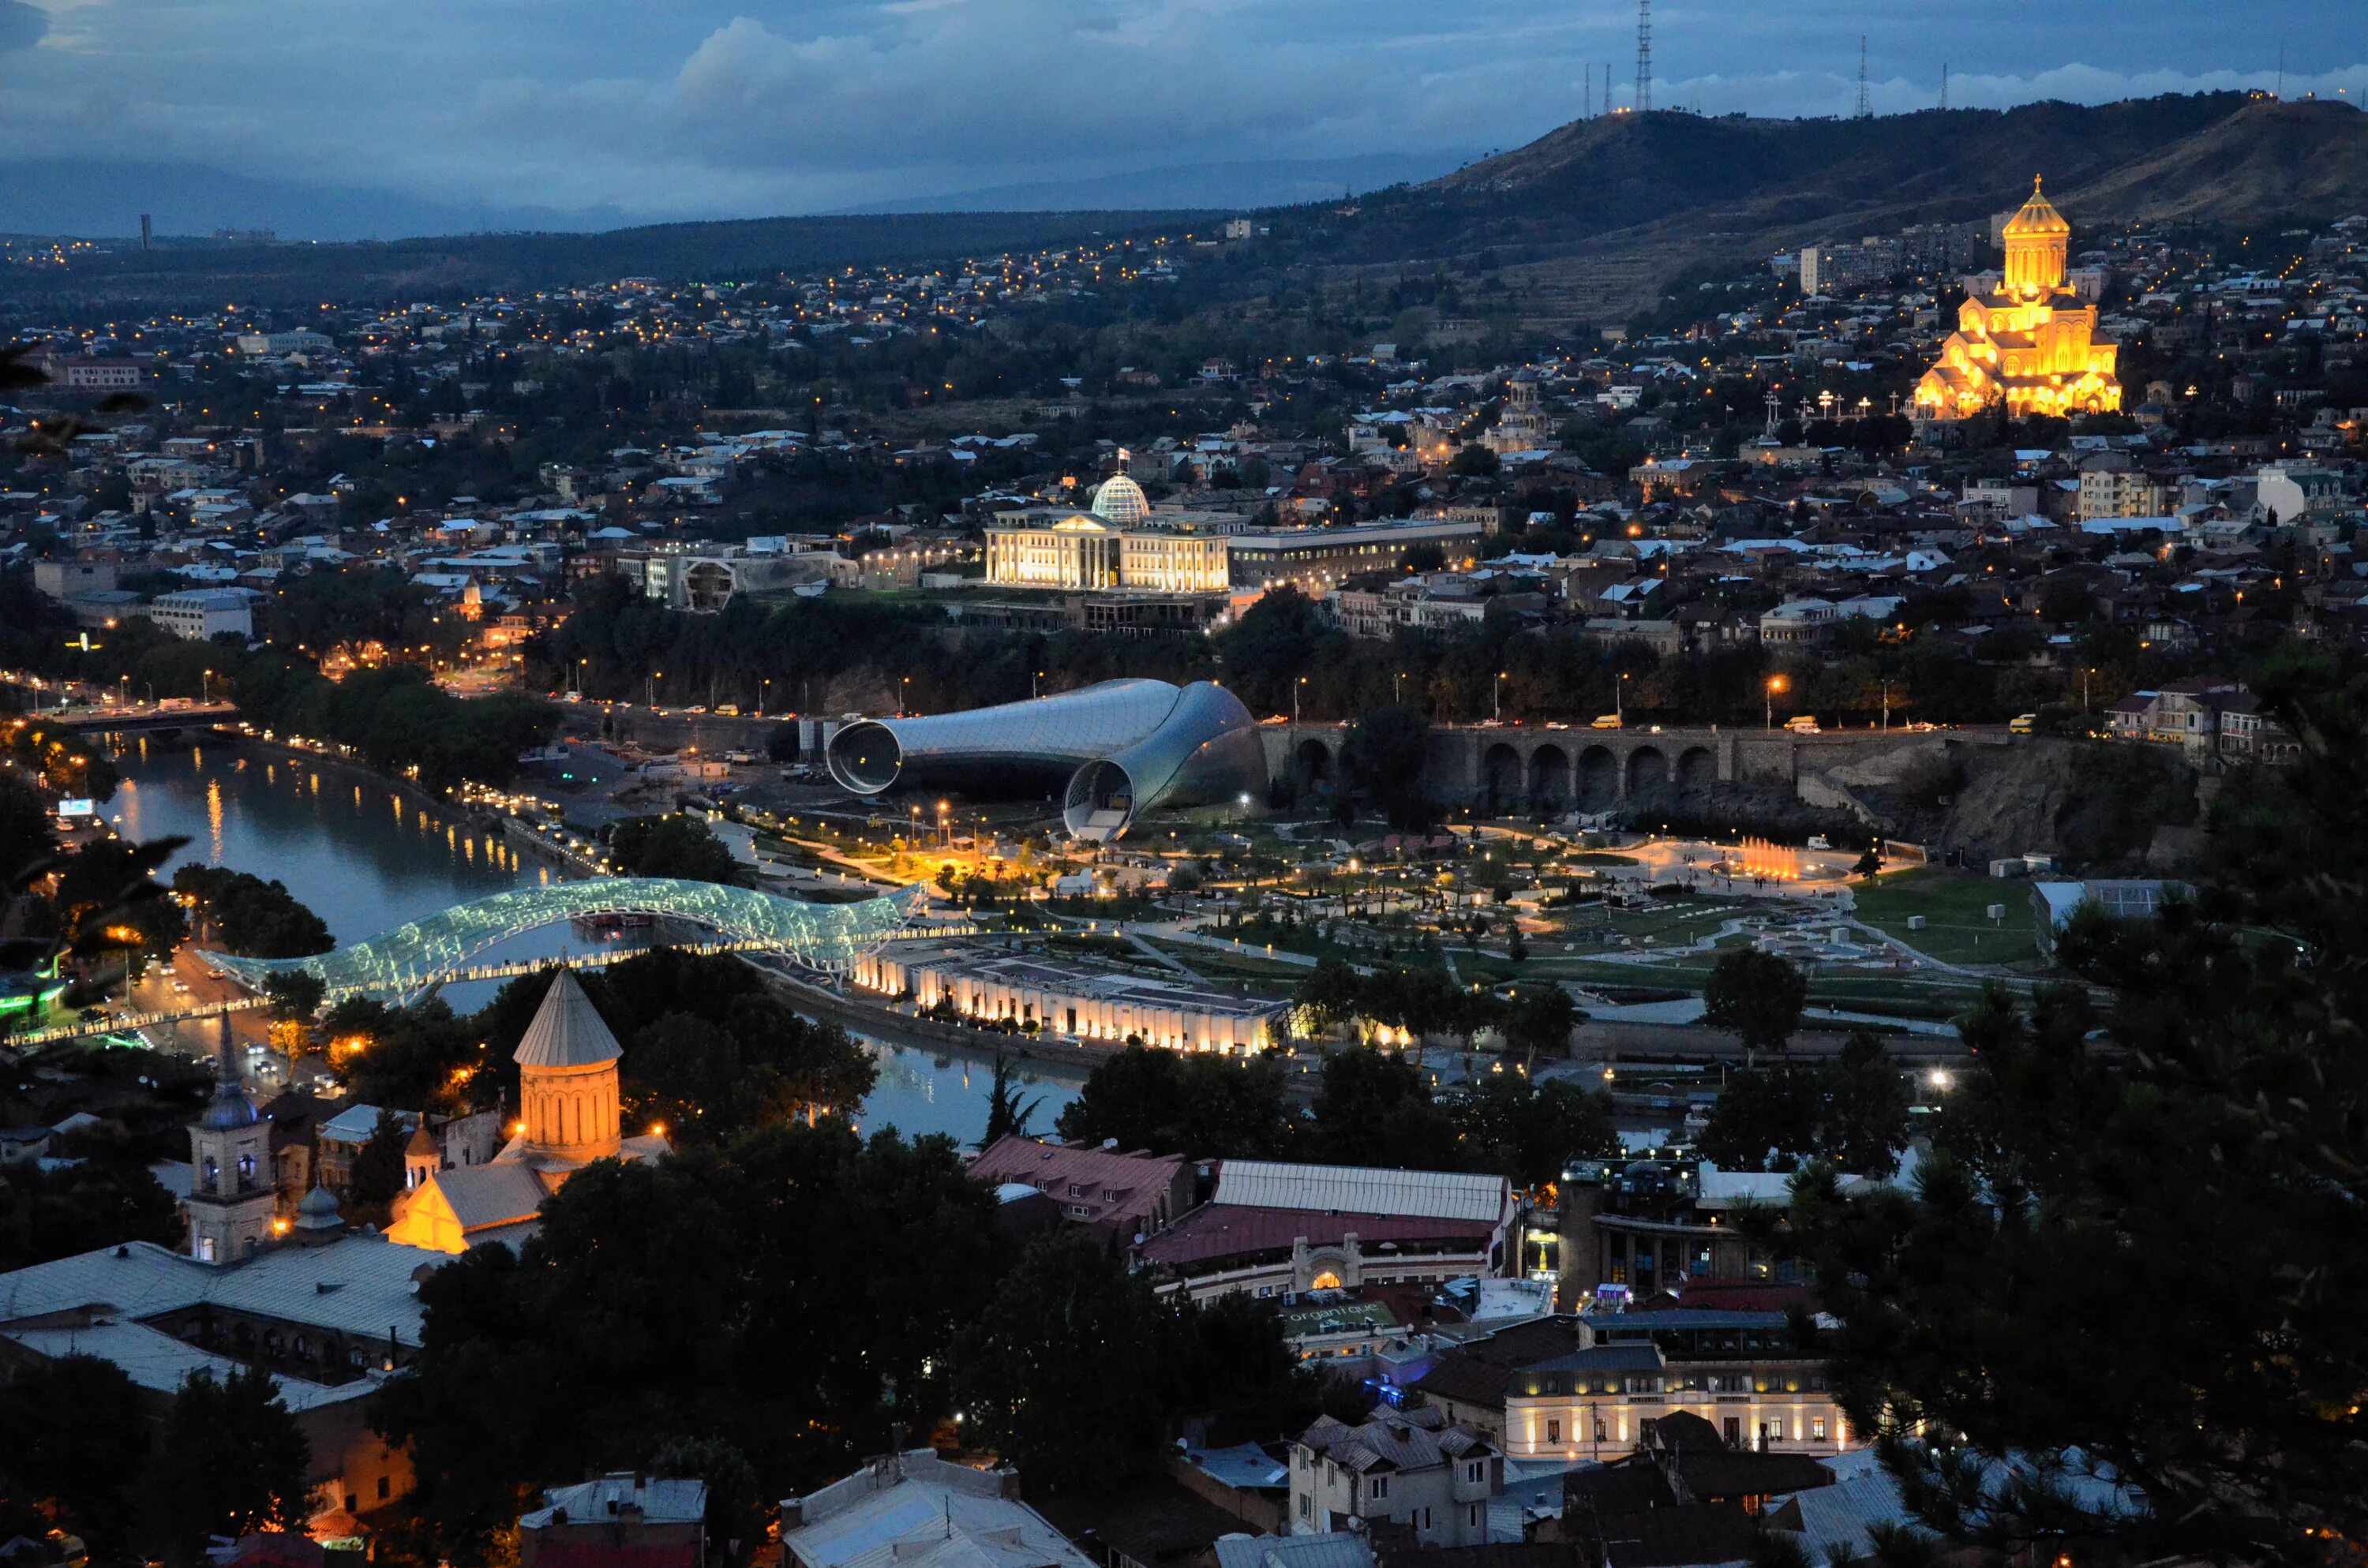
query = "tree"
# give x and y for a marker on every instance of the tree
(231, 1460)
(2079, 1173)
(295, 993)
(1758, 995)
(1374, 1108)
(679, 845)
(1382, 759)
(1864, 1123)
(1007, 1114)
(1529, 1133)
(1541, 1019)
(47, 1214)
(756, 1062)
(1235, 1368)
(253, 918)
(1198, 1105)
(1060, 1374)
(713, 1290)
(1766, 1119)
(71, 1438)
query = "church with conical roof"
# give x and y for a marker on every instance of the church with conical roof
(2029, 344)
(569, 1117)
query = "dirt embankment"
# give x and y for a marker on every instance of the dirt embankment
(2095, 804)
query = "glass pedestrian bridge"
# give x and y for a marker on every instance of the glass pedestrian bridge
(826, 938)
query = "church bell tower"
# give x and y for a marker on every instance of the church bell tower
(230, 1194)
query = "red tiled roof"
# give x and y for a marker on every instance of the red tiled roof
(1217, 1230)
(1125, 1184)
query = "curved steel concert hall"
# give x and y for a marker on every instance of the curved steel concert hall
(1109, 752)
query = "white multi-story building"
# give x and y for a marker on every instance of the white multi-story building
(202, 614)
(1408, 1467)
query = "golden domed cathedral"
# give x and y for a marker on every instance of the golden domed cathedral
(2030, 342)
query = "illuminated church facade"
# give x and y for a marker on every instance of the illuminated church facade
(571, 1116)
(2030, 342)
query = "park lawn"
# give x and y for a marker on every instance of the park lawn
(1251, 963)
(1955, 905)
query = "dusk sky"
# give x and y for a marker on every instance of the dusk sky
(665, 109)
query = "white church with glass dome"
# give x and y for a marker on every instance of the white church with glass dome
(1115, 546)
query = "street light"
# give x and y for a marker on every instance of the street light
(1775, 684)
(1619, 699)
(1032, 685)
(1497, 695)
(1294, 697)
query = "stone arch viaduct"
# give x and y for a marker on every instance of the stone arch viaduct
(1516, 768)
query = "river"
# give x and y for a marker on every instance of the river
(366, 856)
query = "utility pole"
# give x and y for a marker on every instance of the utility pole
(1865, 109)
(1587, 94)
(1645, 57)
(1944, 87)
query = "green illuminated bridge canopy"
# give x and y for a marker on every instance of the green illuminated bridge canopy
(823, 936)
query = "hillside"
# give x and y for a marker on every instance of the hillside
(1594, 217)
(1589, 221)
(463, 266)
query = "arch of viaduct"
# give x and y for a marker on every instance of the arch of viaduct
(1526, 767)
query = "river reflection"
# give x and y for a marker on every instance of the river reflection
(366, 856)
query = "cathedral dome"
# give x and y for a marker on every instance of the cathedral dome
(1122, 501)
(2037, 218)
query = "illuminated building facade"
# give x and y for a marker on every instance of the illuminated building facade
(1112, 546)
(571, 1116)
(2030, 342)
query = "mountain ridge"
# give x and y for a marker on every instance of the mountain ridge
(1593, 219)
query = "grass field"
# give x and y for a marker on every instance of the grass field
(1955, 905)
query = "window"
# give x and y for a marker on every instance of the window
(1379, 1488)
(1426, 1518)
(1602, 1432)
(383, 1488)
(1817, 1428)
(205, 1249)
(1474, 1516)
(1472, 1472)
(1734, 1431)
(1554, 1435)
(1306, 1505)
(1331, 1474)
